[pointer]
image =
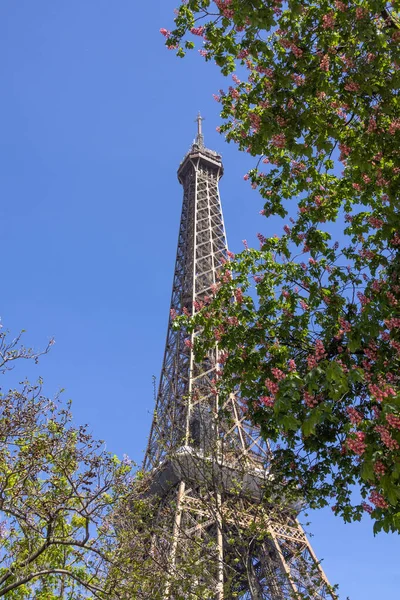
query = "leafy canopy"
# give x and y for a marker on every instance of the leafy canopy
(312, 342)
(59, 490)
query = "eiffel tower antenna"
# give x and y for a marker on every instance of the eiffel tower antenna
(205, 461)
(199, 137)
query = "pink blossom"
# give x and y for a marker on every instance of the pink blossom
(375, 222)
(227, 277)
(376, 411)
(392, 299)
(344, 151)
(292, 365)
(345, 325)
(393, 420)
(298, 79)
(311, 361)
(267, 401)
(243, 53)
(233, 321)
(386, 438)
(272, 386)
(324, 64)
(364, 253)
(328, 21)
(165, 32)
(394, 126)
(372, 126)
(261, 239)
(255, 121)
(319, 350)
(380, 393)
(238, 295)
(223, 6)
(379, 468)
(218, 333)
(357, 443)
(340, 5)
(278, 374)
(298, 52)
(223, 357)
(378, 500)
(310, 399)
(363, 299)
(354, 416)
(198, 305)
(360, 13)
(197, 30)
(304, 305)
(352, 86)
(367, 507)
(393, 323)
(279, 140)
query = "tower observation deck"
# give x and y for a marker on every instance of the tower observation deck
(206, 463)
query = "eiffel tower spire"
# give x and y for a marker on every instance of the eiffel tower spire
(205, 461)
(200, 137)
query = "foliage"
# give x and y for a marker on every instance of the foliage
(58, 493)
(313, 340)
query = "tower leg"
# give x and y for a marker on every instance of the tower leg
(175, 539)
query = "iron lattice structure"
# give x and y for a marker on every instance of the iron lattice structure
(205, 461)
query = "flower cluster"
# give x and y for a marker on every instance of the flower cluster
(357, 443)
(378, 500)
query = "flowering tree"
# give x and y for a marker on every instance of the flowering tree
(312, 342)
(58, 492)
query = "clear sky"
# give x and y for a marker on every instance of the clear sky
(95, 116)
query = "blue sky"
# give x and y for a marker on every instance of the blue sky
(95, 116)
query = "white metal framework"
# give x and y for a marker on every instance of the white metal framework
(206, 461)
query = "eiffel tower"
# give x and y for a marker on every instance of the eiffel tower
(205, 462)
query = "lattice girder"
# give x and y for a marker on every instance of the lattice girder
(204, 459)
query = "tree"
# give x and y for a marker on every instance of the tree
(312, 342)
(59, 489)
